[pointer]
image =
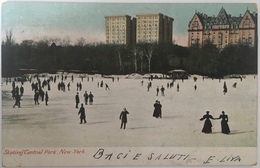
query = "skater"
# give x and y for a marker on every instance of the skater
(17, 101)
(195, 87)
(178, 87)
(162, 91)
(49, 87)
(80, 86)
(36, 97)
(90, 96)
(46, 98)
(207, 125)
(41, 92)
(224, 88)
(86, 97)
(123, 118)
(234, 85)
(82, 114)
(77, 86)
(21, 90)
(77, 100)
(157, 109)
(68, 86)
(224, 123)
(13, 94)
(107, 87)
(157, 90)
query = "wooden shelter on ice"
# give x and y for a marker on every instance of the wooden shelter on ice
(178, 74)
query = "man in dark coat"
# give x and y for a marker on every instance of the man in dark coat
(36, 97)
(17, 101)
(82, 114)
(86, 97)
(77, 99)
(46, 98)
(157, 91)
(123, 118)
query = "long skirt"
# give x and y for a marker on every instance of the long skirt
(224, 127)
(207, 127)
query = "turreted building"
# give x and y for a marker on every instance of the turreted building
(223, 29)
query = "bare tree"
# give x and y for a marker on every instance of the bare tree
(148, 50)
(141, 60)
(119, 51)
(66, 42)
(81, 42)
(9, 38)
(135, 55)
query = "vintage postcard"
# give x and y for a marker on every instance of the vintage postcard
(129, 84)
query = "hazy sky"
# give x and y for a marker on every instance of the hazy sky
(36, 20)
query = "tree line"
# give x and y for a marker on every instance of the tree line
(49, 56)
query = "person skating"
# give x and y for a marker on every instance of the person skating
(157, 109)
(68, 86)
(86, 97)
(17, 101)
(21, 90)
(90, 96)
(162, 91)
(157, 91)
(207, 124)
(46, 98)
(107, 87)
(82, 114)
(224, 123)
(77, 99)
(224, 88)
(36, 97)
(123, 118)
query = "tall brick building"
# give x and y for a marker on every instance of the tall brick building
(147, 28)
(223, 29)
(120, 29)
(154, 28)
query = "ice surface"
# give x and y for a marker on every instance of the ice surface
(57, 125)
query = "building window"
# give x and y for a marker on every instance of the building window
(195, 24)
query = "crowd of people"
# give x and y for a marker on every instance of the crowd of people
(41, 89)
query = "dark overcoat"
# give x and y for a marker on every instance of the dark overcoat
(82, 113)
(123, 116)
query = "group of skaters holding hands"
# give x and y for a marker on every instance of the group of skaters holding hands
(207, 128)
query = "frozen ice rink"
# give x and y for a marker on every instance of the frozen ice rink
(57, 125)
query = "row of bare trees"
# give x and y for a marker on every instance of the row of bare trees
(51, 55)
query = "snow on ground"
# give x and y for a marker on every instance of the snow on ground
(57, 125)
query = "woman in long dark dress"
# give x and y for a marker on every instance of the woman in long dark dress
(224, 123)
(207, 125)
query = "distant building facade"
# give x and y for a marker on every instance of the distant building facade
(120, 29)
(155, 28)
(223, 30)
(148, 28)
